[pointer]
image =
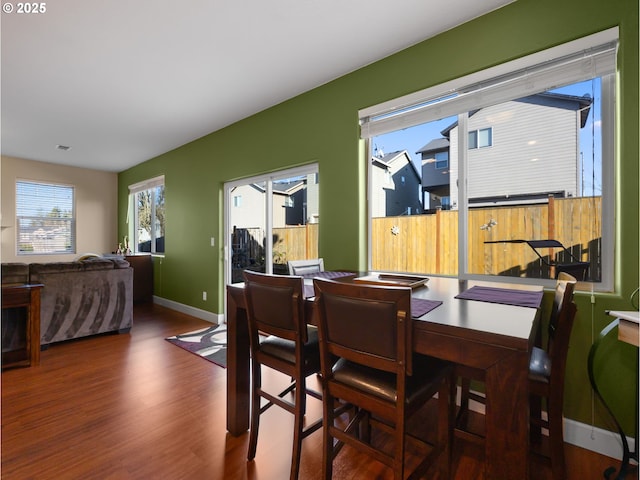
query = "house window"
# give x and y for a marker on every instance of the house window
(237, 200)
(148, 202)
(45, 218)
(480, 138)
(442, 160)
(550, 177)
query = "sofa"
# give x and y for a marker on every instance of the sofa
(81, 298)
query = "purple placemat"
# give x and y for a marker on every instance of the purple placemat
(506, 296)
(420, 306)
(328, 274)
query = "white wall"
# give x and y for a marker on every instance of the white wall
(96, 206)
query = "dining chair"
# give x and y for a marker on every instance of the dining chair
(368, 329)
(546, 380)
(302, 267)
(275, 310)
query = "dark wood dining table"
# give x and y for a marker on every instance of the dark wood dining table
(493, 337)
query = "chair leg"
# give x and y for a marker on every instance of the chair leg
(255, 411)
(556, 442)
(446, 423)
(327, 440)
(299, 411)
(398, 460)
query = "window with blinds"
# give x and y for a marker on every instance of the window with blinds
(45, 218)
(530, 155)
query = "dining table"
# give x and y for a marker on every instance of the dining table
(484, 325)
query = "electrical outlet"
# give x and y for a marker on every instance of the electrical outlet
(213, 241)
(204, 296)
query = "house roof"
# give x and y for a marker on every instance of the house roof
(435, 145)
(288, 188)
(281, 188)
(388, 159)
(547, 98)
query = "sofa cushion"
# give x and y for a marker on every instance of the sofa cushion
(87, 265)
(98, 263)
(55, 267)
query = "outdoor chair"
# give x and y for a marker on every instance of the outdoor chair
(570, 264)
(275, 309)
(369, 330)
(546, 380)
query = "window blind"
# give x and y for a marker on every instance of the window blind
(577, 61)
(45, 218)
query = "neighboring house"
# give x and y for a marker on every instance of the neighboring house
(395, 185)
(512, 161)
(290, 206)
(294, 194)
(435, 174)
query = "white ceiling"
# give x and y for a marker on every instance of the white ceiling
(122, 81)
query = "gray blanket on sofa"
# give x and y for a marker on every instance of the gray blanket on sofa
(83, 298)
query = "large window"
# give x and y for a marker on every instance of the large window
(538, 201)
(148, 208)
(276, 221)
(45, 218)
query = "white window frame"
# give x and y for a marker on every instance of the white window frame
(477, 137)
(148, 184)
(49, 205)
(267, 179)
(439, 163)
(588, 57)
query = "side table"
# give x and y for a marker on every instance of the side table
(142, 265)
(21, 303)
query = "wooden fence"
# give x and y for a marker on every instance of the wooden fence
(429, 243)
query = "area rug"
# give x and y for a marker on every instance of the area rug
(209, 343)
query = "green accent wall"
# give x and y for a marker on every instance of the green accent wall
(322, 126)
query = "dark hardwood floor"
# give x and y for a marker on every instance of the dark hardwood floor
(134, 406)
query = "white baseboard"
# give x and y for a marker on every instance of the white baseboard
(583, 435)
(595, 439)
(189, 310)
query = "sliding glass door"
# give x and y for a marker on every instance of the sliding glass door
(269, 220)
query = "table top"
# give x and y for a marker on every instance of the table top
(477, 319)
(631, 315)
(507, 325)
